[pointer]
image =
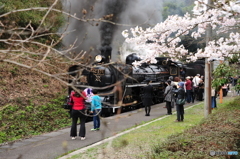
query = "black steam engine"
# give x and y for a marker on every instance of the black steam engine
(120, 85)
(104, 76)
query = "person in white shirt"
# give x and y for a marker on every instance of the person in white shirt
(196, 81)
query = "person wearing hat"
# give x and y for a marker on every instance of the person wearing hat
(180, 94)
(170, 78)
(188, 85)
(147, 97)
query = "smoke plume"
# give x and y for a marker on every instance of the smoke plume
(128, 13)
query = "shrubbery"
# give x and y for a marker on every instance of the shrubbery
(22, 19)
(19, 121)
(31, 19)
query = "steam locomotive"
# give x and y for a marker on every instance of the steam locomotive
(120, 85)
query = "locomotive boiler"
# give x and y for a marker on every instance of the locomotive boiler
(120, 85)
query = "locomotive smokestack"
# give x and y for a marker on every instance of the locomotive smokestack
(106, 51)
(112, 12)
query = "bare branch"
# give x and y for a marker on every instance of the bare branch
(43, 19)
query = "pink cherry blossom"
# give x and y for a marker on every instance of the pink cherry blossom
(165, 36)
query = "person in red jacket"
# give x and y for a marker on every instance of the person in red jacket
(78, 111)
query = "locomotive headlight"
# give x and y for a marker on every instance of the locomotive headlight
(180, 65)
(98, 58)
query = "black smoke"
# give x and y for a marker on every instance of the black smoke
(113, 10)
(92, 35)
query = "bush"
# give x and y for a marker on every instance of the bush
(19, 122)
(51, 24)
(23, 18)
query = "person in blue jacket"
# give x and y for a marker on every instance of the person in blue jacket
(96, 107)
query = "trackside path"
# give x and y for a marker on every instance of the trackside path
(56, 144)
(117, 135)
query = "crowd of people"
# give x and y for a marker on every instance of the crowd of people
(178, 92)
(186, 90)
(193, 89)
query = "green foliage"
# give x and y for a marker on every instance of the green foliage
(218, 82)
(237, 87)
(3, 135)
(223, 70)
(23, 18)
(51, 24)
(221, 75)
(176, 7)
(19, 121)
(234, 58)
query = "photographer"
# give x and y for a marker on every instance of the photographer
(180, 101)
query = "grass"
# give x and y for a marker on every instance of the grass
(147, 141)
(219, 132)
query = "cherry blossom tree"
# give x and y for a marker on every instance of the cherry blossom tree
(222, 16)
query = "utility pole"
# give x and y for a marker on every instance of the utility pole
(208, 73)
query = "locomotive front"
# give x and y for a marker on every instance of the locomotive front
(100, 77)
